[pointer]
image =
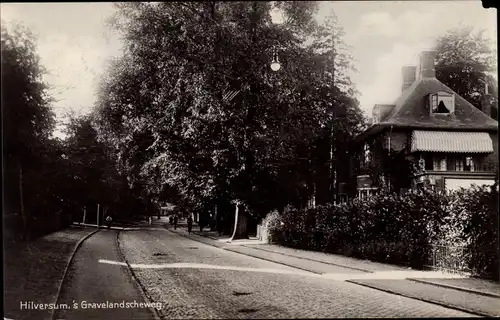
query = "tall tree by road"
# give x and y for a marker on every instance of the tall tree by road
(164, 107)
(464, 60)
(27, 123)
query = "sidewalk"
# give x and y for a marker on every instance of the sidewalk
(472, 295)
(34, 271)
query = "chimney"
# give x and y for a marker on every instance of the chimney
(409, 76)
(486, 101)
(427, 64)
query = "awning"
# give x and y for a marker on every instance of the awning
(445, 141)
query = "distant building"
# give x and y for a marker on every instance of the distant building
(451, 143)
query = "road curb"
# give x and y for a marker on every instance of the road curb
(78, 245)
(206, 236)
(449, 286)
(289, 255)
(246, 254)
(314, 260)
(144, 293)
(474, 312)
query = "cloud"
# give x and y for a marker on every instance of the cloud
(73, 45)
(385, 86)
(377, 23)
(388, 38)
(410, 25)
(384, 36)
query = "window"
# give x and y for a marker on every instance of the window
(366, 154)
(442, 103)
(439, 163)
(469, 164)
(465, 163)
(429, 161)
(343, 198)
(365, 193)
(459, 164)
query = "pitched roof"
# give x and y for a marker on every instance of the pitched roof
(410, 109)
(410, 112)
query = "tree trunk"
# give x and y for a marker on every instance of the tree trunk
(21, 199)
(240, 225)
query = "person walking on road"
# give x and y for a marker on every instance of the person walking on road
(220, 226)
(190, 223)
(176, 219)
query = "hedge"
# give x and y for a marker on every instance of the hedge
(400, 229)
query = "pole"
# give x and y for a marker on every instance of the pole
(335, 155)
(84, 214)
(389, 147)
(98, 216)
(235, 222)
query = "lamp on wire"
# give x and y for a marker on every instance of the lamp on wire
(275, 64)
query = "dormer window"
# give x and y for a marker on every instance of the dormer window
(442, 103)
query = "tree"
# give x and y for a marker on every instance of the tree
(28, 122)
(92, 174)
(464, 61)
(162, 104)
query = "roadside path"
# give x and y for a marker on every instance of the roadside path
(33, 272)
(91, 284)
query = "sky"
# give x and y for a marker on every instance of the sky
(74, 42)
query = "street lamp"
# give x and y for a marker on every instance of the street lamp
(275, 65)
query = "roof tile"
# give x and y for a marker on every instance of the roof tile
(410, 109)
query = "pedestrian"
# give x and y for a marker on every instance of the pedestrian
(150, 220)
(108, 221)
(176, 219)
(220, 226)
(190, 223)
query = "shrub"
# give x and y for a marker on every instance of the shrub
(400, 229)
(476, 209)
(272, 224)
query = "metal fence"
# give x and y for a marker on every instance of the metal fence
(448, 258)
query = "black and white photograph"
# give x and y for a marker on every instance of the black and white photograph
(250, 160)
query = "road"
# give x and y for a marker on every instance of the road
(196, 280)
(191, 279)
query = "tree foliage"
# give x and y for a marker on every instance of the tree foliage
(464, 60)
(27, 123)
(92, 174)
(45, 175)
(161, 104)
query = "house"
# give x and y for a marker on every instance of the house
(449, 142)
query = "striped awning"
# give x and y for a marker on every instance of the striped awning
(443, 141)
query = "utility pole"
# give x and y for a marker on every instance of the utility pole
(84, 214)
(97, 216)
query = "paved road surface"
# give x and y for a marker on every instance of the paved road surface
(195, 280)
(89, 281)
